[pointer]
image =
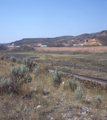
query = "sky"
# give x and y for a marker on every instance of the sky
(50, 18)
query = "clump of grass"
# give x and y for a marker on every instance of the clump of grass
(58, 116)
(77, 88)
(74, 84)
(97, 100)
(57, 78)
(78, 93)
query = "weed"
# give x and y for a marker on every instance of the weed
(57, 78)
(97, 100)
(74, 84)
(78, 93)
(58, 116)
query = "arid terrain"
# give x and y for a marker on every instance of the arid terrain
(43, 95)
(97, 49)
(29, 91)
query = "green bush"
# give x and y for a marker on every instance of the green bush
(13, 59)
(74, 84)
(20, 72)
(97, 100)
(57, 78)
(29, 63)
(78, 93)
(19, 75)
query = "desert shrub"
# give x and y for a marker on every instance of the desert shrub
(20, 72)
(5, 84)
(29, 63)
(57, 78)
(18, 61)
(97, 100)
(74, 84)
(19, 75)
(13, 59)
(78, 93)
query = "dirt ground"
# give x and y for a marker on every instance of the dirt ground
(94, 49)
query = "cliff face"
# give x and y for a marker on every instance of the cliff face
(90, 42)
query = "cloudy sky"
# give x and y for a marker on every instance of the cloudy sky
(50, 18)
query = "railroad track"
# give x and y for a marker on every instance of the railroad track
(83, 77)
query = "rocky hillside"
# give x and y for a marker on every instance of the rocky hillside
(99, 38)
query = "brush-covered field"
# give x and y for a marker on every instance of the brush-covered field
(89, 64)
(28, 91)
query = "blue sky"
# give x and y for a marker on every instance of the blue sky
(50, 18)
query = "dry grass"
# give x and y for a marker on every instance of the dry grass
(4, 67)
(39, 100)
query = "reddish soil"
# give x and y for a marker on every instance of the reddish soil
(98, 49)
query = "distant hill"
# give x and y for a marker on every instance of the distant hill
(34, 41)
(99, 38)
